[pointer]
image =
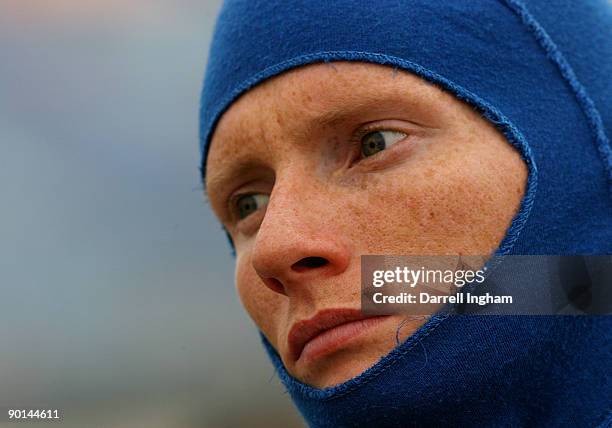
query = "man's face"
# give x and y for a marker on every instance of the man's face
(323, 164)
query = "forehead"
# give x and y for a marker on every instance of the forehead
(312, 97)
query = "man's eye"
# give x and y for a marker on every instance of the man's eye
(248, 204)
(377, 141)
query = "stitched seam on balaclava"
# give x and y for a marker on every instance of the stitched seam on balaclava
(338, 391)
(584, 100)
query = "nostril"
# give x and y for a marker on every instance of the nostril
(309, 263)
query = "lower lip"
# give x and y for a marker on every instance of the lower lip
(334, 338)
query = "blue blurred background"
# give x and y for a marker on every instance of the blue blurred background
(118, 302)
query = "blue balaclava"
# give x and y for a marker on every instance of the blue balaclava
(541, 72)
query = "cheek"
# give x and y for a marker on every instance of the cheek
(264, 306)
(457, 197)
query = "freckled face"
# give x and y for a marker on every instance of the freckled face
(324, 163)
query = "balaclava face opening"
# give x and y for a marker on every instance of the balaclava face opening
(540, 72)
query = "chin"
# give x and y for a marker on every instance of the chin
(336, 365)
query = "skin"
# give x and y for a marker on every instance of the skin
(450, 186)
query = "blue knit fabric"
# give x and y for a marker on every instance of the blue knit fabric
(541, 71)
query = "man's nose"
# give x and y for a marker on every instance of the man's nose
(299, 242)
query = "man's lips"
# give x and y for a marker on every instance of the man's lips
(327, 330)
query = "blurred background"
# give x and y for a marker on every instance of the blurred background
(118, 304)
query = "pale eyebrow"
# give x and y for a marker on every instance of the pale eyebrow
(352, 107)
(219, 180)
(358, 104)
